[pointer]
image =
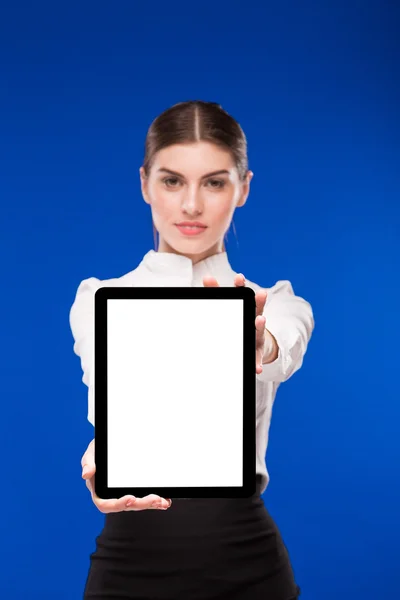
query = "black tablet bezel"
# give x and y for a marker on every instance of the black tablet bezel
(243, 293)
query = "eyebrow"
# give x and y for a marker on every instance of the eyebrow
(220, 172)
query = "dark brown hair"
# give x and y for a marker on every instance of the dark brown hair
(194, 121)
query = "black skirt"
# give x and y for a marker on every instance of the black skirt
(198, 549)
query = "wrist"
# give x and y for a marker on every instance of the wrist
(271, 348)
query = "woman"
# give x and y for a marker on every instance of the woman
(195, 174)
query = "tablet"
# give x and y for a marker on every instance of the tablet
(175, 392)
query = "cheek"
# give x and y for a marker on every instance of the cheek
(223, 209)
(162, 205)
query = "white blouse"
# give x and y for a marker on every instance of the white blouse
(288, 317)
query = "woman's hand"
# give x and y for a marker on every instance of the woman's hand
(263, 337)
(118, 504)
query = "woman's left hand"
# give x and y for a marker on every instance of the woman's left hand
(261, 331)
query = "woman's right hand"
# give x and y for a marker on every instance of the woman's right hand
(126, 503)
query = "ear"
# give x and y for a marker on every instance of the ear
(245, 189)
(144, 185)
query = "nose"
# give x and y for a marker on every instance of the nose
(192, 203)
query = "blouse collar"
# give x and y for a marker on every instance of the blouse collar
(168, 263)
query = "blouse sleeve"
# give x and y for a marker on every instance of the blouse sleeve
(290, 320)
(81, 320)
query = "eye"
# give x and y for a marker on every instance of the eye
(216, 183)
(171, 182)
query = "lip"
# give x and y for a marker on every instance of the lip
(191, 229)
(191, 224)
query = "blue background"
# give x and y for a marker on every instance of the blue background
(315, 86)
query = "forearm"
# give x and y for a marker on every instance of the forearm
(290, 323)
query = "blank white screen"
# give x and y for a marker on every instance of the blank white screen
(175, 393)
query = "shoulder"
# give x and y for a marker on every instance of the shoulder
(91, 284)
(82, 308)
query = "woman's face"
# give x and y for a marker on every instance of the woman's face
(195, 182)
